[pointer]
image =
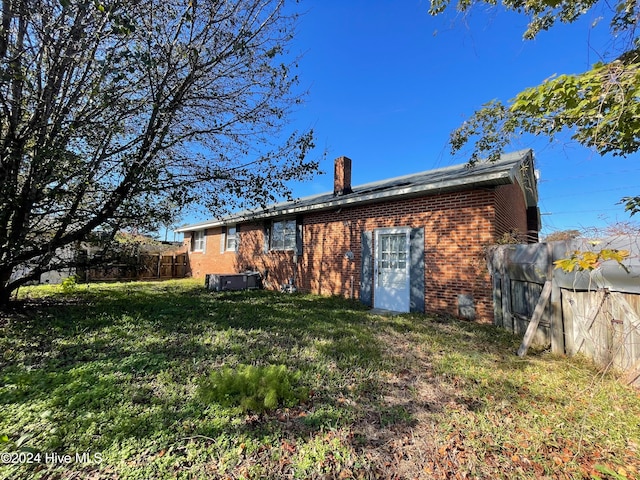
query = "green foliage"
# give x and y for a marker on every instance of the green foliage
(115, 371)
(584, 260)
(599, 107)
(610, 473)
(69, 284)
(543, 14)
(631, 204)
(252, 388)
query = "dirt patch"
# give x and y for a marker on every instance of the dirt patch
(399, 433)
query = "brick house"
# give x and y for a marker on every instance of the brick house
(411, 243)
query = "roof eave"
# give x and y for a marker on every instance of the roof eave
(486, 180)
(523, 174)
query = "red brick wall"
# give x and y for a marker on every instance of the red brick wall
(511, 211)
(277, 267)
(457, 228)
(210, 260)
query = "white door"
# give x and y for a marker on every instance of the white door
(391, 269)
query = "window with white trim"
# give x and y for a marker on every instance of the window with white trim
(198, 241)
(283, 235)
(232, 244)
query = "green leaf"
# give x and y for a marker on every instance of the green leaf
(608, 471)
(24, 439)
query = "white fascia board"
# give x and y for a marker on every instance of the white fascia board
(199, 226)
(490, 179)
(523, 173)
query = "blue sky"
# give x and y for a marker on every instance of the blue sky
(387, 84)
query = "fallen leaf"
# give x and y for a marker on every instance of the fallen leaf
(288, 447)
(346, 473)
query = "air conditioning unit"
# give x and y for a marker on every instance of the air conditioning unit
(232, 281)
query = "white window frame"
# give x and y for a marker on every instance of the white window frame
(231, 240)
(199, 241)
(289, 235)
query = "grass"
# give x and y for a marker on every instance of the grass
(111, 372)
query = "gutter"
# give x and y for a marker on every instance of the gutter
(501, 178)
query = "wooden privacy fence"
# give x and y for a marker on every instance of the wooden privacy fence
(594, 313)
(139, 267)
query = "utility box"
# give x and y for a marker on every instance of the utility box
(219, 282)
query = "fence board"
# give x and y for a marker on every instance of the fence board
(507, 317)
(628, 322)
(555, 320)
(535, 319)
(579, 317)
(567, 321)
(605, 327)
(141, 267)
(497, 301)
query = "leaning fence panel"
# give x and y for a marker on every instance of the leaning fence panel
(595, 313)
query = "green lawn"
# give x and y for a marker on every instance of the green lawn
(114, 374)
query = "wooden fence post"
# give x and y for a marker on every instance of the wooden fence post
(555, 307)
(497, 299)
(507, 317)
(569, 325)
(557, 330)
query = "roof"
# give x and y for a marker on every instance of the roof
(510, 168)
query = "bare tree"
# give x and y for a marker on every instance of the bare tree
(116, 112)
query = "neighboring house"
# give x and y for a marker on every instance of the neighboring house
(63, 256)
(411, 243)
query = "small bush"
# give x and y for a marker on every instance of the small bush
(69, 284)
(253, 388)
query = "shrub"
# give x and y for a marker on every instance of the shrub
(69, 284)
(252, 388)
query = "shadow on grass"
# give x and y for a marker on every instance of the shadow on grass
(123, 363)
(118, 366)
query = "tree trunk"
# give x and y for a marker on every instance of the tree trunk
(5, 291)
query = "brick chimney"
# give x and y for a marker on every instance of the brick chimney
(342, 176)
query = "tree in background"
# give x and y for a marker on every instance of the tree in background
(600, 107)
(115, 113)
(562, 235)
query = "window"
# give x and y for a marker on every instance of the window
(393, 253)
(231, 238)
(283, 235)
(198, 241)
